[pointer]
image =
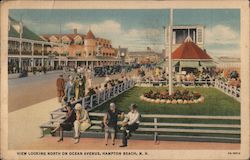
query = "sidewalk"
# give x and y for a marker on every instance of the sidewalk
(24, 133)
(30, 74)
(24, 123)
(50, 143)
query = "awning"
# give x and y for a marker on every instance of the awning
(207, 64)
(190, 64)
(175, 63)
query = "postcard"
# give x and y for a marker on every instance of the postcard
(125, 79)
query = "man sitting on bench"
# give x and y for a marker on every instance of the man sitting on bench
(130, 124)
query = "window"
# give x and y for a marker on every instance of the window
(199, 35)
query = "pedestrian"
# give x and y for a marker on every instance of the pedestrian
(130, 124)
(67, 124)
(81, 88)
(70, 88)
(76, 88)
(110, 122)
(82, 121)
(60, 85)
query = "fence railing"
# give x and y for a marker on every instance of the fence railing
(165, 83)
(224, 87)
(206, 128)
(232, 91)
(171, 127)
(93, 101)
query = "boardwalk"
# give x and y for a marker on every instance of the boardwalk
(98, 144)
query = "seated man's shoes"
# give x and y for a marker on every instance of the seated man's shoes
(123, 145)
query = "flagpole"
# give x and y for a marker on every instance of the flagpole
(170, 52)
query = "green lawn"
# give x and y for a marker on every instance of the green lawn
(216, 103)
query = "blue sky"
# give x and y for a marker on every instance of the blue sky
(137, 29)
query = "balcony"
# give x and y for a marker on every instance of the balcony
(13, 51)
(26, 52)
(37, 52)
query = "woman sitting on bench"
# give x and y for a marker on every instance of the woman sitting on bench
(82, 121)
(67, 124)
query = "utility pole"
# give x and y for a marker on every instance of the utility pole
(170, 31)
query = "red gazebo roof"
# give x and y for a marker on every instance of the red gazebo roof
(189, 50)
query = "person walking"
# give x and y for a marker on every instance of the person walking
(110, 122)
(60, 86)
(70, 88)
(81, 88)
(130, 124)
(82, 121)
(77, 88)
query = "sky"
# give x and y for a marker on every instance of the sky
(139, 28)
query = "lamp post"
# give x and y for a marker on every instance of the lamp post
(170, 31)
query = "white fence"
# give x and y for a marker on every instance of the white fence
(229, 90)
(93, 101)
(156, 125)
(222, 86)
(209, 130)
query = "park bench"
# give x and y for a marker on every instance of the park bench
(169, 131)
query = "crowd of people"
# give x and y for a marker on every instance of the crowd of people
(231, 77)
(77, 118)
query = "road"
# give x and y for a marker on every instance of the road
(27, 91)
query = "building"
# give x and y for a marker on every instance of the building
(143, 57)
(181, 32)
(83, 50)
(228, 62)
(190, 56)
(26, 49)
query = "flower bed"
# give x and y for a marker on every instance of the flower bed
(178, 97)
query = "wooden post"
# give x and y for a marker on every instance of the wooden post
(83, 102)
(91, 101)
(155, 133)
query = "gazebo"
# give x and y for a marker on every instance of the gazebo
(190, 56)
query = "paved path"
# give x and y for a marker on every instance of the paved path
(24, 133)
(24, 123)
(98, 144)
(27, 91)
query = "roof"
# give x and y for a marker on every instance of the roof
(143, 53)
(27, 33)
(90, 35)
(189, 50)
(13, 32)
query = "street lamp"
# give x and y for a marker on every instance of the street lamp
(170, 51)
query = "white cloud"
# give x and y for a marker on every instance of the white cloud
(224, 52)
(221, 34)
(134, 39)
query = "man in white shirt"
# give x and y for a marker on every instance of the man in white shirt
(130, 124)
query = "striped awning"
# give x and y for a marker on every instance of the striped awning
(190, 64)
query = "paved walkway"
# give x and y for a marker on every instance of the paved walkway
(24, 123)
(24, 133)
(98, 144)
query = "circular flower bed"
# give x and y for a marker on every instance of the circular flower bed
(178, 97)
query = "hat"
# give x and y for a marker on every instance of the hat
(78, 106)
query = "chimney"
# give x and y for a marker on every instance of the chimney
(75, 30)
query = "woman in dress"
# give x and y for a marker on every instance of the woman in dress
(70, 88)
(82, 121)
(67, 124)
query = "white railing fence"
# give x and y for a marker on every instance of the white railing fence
(222, 86)
(232, 91)
(95, 100)
(155, 125)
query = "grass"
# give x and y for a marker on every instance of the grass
(216, 103)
